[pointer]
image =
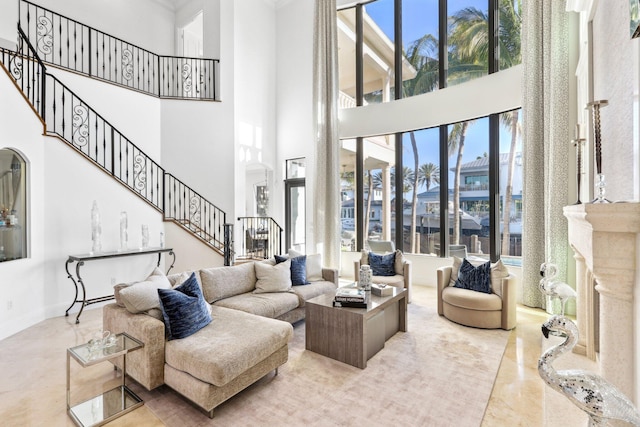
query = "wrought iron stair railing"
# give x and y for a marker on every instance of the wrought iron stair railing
(262, 237)
(71, 45)
(67, 117)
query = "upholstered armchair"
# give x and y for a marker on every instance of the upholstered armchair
(478, 309)
(402, 268)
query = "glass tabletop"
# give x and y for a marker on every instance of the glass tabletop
(87, 354)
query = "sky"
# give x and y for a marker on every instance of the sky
(421, 17)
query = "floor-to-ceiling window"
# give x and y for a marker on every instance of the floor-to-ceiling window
(436, 44)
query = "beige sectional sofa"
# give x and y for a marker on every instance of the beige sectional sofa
(247, 338)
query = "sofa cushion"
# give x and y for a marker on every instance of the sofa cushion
(397, 280)
(263, 304)
(312, 290)
(179, 278)
(467, 299)
(223, 282)
(498, 272)
(474, 278)
(399, 262)
(218, 352)
(273, 278)
(382, 265)
(298, 268)
(184, 309)
(143, 296)
(314, 265)
(398, 265)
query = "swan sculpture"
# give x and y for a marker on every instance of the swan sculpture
(600, 399)
(554, 289)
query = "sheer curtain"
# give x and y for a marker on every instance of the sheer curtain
(325, 186)
(546, 142)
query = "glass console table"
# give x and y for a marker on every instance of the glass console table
(112, 403)
(81, 259)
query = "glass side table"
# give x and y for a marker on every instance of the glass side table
(110, 404)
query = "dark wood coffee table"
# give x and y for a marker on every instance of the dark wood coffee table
(354, 335)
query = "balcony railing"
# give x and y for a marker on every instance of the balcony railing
(68, 44)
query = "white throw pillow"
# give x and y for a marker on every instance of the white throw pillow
(498, 272)
(399, 263)
(314, 265)
(273, 278)
(314, 268)
(143, 296)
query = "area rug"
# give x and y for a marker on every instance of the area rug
(437, 373)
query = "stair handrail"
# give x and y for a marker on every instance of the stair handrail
(174, 79)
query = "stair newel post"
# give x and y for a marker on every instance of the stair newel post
(228, 244)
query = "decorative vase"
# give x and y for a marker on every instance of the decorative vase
(365, 278)
(96, 229)
(145, 236)
(124, 232)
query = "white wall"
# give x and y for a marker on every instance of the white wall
(613, 80)
(294, 53)
(22, 298)
(145, 23)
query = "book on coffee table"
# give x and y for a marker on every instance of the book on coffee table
(350, 295)
(350, 304)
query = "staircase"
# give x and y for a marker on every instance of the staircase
(67, 117)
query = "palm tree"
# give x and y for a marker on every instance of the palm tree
(428, 173)
(509, 119)
(456, 140)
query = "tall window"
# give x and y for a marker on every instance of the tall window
(458, 184)
(468, 149)
(463, 37)
(468, 45)
(378, 183)
(421, 197)
(511, 183)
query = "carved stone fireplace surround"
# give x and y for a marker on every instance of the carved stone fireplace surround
(604, 238)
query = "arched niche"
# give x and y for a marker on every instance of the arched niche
(13, 205)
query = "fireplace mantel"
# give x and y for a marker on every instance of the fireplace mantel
(604, 239)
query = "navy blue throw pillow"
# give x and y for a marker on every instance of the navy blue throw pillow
(184, 309)
(382, 265)
(298, 269)
(474, 278)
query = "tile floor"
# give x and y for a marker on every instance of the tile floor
(33, 361)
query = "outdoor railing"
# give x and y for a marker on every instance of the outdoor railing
(73, 121)
(66, 43)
